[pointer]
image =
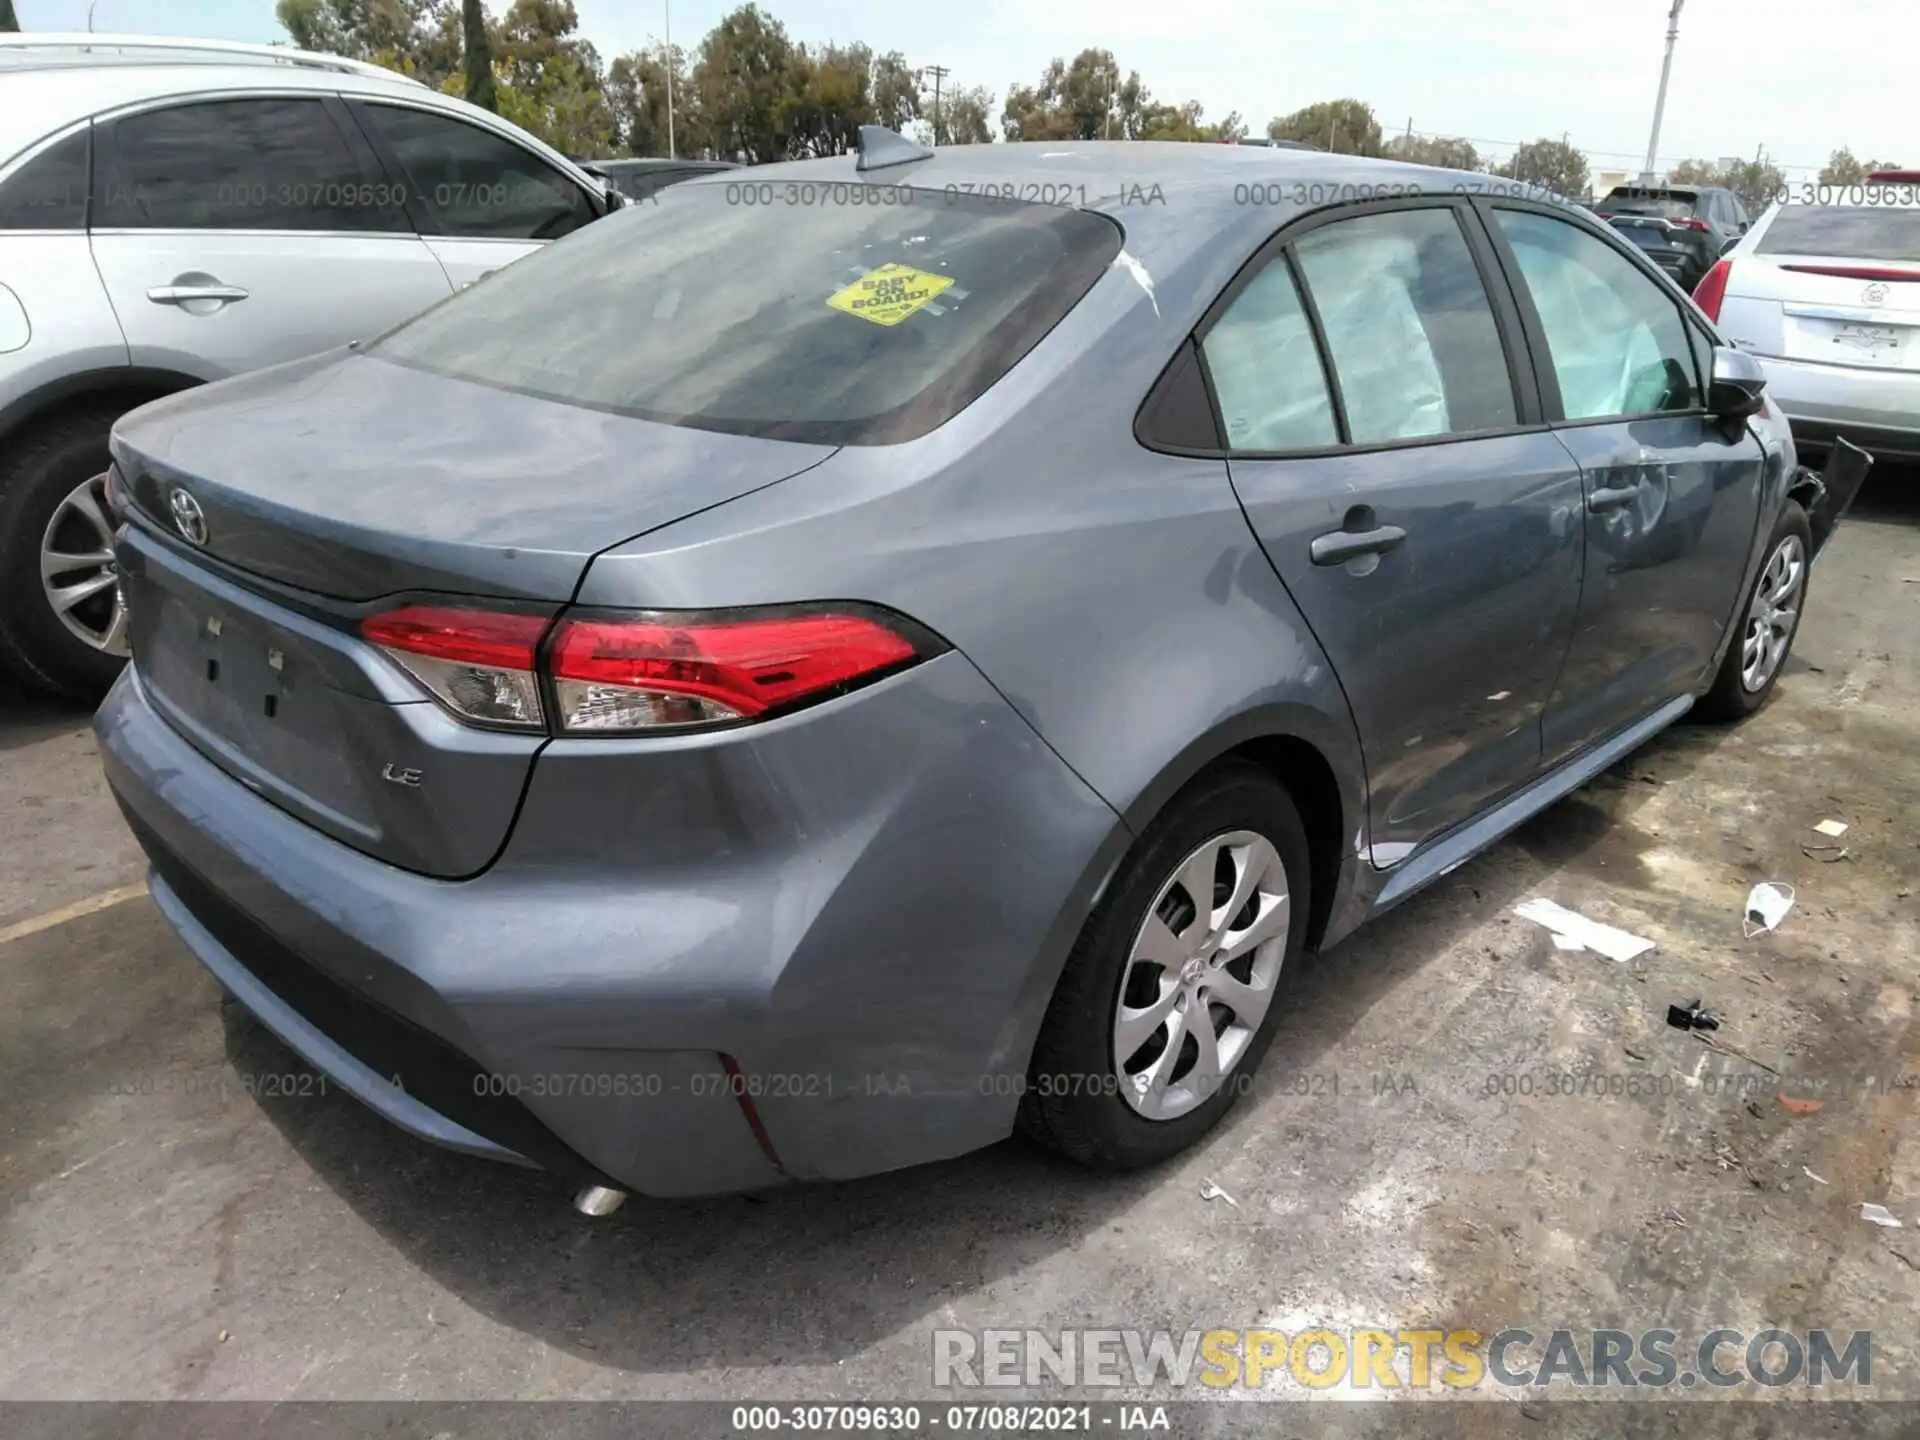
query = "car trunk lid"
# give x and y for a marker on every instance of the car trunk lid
(317, 490)
(1847, 281)
(353, 477)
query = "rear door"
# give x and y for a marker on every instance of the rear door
(479, 199)
(233, 233)
(1672, 494)
(1383, 437)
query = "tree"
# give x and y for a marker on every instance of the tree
(1347, 127)
(1553, 164)
(545, 80)
(9, 22)
(1436, 150)
(476, 55)
(637, 93)
(744, 71)
(1085, 100)
(421, 38)
(1756, 182)
(1842, 169)
(1183, 122)
(965, 118)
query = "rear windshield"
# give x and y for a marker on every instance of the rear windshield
(769, 308)
(1853, 232)
(1667, 206)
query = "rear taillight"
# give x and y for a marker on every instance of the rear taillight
(1712, 289)
(647, 672)
(479, 663)
(656, 671)
(1690, 223)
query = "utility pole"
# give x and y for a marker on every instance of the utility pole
(1660, 101)
(666, 7)
(939, 73)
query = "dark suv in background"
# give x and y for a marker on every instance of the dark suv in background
(1683, 230)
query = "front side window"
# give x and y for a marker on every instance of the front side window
(1409, 328)
(1618, 344)
(859, 323)
(49, 192)
(474, 183)
(1266, 371)
(240, 165)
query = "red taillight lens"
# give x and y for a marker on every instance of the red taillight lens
(655, 671)
(479, 663)
(1894, 177)
(1712, 289)
(1691, 223)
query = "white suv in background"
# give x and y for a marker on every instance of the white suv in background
(1825, 290)
(177, 211)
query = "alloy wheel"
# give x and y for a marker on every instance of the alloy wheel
(78, 573)
(1201, 974)
(1773, 614)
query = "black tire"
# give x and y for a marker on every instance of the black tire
(39, 468)
(1730, 698)
(1071, 1104)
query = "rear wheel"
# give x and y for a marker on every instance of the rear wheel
(1768, 623)
(1166, 1004)
(62, 621)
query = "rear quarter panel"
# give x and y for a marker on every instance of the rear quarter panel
(1116, 596)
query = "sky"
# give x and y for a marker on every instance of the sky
(1797, 77)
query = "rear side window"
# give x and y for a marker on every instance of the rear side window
(1266, 370)
(1852, 232)
(1409, 329)
(839, 324)
(239, 165)
(474, 183)
(1618, 344)
(49, 192)
(1667, 205)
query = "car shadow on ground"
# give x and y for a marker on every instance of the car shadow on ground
(816, 1273)
(28, 716)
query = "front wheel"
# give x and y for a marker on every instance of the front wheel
(1768, 622)
(1166, 1004)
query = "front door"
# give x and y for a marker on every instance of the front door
(1430, 538)
(232, 234)
(1672, 494)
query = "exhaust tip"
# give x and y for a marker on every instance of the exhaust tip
(597, 1200)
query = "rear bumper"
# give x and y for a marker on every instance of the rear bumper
(1879, 410)
(855, 918)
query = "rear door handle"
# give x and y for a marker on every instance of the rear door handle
(1340, 546)
(176, 294)
(1612, 498)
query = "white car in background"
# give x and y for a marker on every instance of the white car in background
(178, 211)
(1825, 290)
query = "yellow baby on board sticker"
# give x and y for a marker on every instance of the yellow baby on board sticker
(890, 294)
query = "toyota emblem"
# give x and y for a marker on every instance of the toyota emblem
(188, 518)
(1874, 294)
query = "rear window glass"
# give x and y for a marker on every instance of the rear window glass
(1667, 207)
(1853, 232)
(836, 323)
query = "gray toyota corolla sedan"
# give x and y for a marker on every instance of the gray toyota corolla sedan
(799, 679)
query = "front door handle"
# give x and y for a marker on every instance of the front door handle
(1612, 497)
(1339, 546)
(179, 294)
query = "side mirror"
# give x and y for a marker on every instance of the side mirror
(1738, 387)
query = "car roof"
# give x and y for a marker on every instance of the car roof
(1169, 196)
(640, 164)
